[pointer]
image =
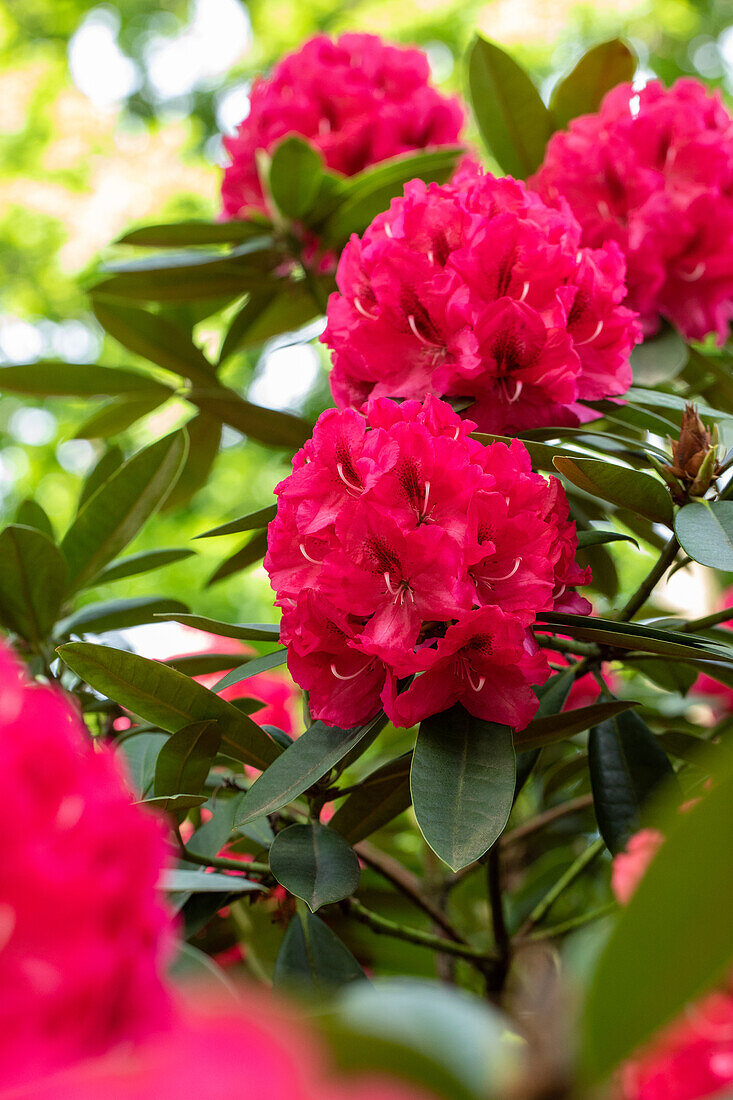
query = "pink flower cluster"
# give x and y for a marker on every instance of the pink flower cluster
(653, 172)
(478, 290)
(82, 931)
(356, 99)
(402, 547)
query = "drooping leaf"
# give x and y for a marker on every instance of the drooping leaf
(51, 379)
(659, 358)
(142, 562)
(513, 120)
(185, 760)
(31, 514)
(462, 780)
(271, 312)
(114, 514)
(97, 618)
(594, 537)
(657, 399)
(558, 727)
(379, 798)
(140, 751)
(312, 960)
(627, 488)
(110, 461)
(174, 803)
(600, 69)
(254, 632)
(672, 941)
(118, 415)
(301, 765)
(251, 553)
(201, 882)
(627, 764)
(154, 337)
(641, 636)
(705, 532)
(314, 863)
(278, 429)
(252, 667)
(187, 233)
(33, 579)
(167, 698)
(204, 438)
(255, 521)
(295, 176)
(668, 675)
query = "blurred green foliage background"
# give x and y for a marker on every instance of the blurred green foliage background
(111, 115)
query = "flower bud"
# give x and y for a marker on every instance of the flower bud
(694, 455)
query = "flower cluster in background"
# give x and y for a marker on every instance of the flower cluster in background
(478, 290)
(403, 546)
(653, 171)
(358, 100)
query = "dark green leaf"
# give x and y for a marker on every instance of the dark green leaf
(204, 437)
(301, 765)
(32, 582)
(659, 358)
(600, 69)
(118, 415)
(255, 521)
(110, 461)
(659, 400)
(312, 960)
(183, 234)
(167, 698)
(541, 454)
(142, 562)
(199, 882)
(594, 537)
(673, 939)
(558, 727)
(250, 554)
(51, 379)
(626, 488)
(255, 632)
(140, 751)
(314, 863)
(252, 667)
(186, 758)
(271, 426)
(462, 780)
(154, 337)
(513, 120)
(268, 313)
(96, 618)
(668, 675)
(380, 798)
(705, 531)
(626, 764)
(30, 514)
(114, 514)
(174, 803)
(649, 639)
(203, 664)
(295, 176)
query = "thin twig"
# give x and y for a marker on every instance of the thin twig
(543, 907)
(241, 865)
(501, 935)
(385, 926)
(655, 574)
(567, 925)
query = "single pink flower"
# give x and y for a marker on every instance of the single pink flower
(630, 865)
(652, 171)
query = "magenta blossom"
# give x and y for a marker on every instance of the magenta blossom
(652, 171)
(357, 100)
(477, 290)
(402, 547)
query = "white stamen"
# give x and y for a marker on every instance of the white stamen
(559, 592)
(347, 483)
(421, 338)
(388, 230)
(511, 572)
(388, 581)
(307, 556)
(693, 276)
(481, 681)
(351, 676)
(365, 313)
(431, 256)
(525, 291)
(604, 209)
(596, 332)
(457, 432)
(7, 923)
(519, 386)
(427, 495)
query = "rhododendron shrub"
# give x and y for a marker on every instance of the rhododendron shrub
(477, 290)
(401, 548)
(652, 171)
(357, 100)
(83, 934)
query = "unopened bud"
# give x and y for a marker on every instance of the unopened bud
(694, 454)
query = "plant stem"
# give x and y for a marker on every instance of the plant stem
(645, 589)
(568, 645)
(220, 862)
(501, 935)
(385, 926)
(568, 925)
(542, 908)
(694, 625)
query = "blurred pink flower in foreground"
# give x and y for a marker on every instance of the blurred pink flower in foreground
(357, 100)
(653, 172)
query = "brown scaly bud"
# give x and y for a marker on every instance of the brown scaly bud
(694, 457)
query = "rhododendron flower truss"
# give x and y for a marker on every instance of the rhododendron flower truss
(478, 290)
(652, 171)
(404, 548)
(357, 100)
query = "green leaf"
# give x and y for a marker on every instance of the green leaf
(600, 69)
(314, 863)
(660, 400)
(462, 780)
(513, 120)
(140, 751)
(206, 882)
(370, 192)
(185, 760)
(301, 765)
(379, 798)
(558, 727)
(118, 415)
(30, 514)
(183, 234)
(154, 337)
(295, 176)
(668, 675)
(312, 960)
(255, 632)
(595, 537)
(203, 664)
(268, 313)
(204, 437)
(673, 940)
(255, 521)
(114, 514)
(97, 618)
(142, 562)
(627, 764)
(659, 358)
(705, 532)
(51, 379)
(649, 639)
(250, 554)
(541, 454)
(167, 698)
(271, 426)
(32, 582)
(252, 667)
(110, 461)
(174, 803)
(626, 488)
